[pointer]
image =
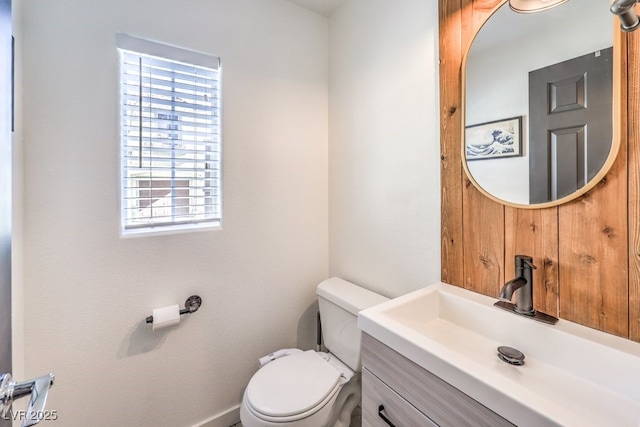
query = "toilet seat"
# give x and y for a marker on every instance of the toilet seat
(292, 388)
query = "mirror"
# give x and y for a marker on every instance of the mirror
(537, 132)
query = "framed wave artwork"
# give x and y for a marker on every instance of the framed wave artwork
(492, 140)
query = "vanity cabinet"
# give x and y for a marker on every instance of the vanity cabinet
(398, 390)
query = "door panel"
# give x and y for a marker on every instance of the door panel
(567, 153)
(570, 132)
(5, 189)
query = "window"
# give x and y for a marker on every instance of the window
(170, 136)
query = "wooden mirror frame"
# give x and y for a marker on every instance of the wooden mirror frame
(617, 103)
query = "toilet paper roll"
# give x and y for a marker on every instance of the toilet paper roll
(166, 316)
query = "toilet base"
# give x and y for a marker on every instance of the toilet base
(336, 412)
(348, 399)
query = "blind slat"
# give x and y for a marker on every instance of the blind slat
(197, 84)
(164, 131)
(176, 67)
(197, 109)
(192, 95)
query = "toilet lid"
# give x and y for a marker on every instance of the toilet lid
(292, 385)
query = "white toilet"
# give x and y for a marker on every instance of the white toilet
(311, 389)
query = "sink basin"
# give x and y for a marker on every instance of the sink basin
(572, 376)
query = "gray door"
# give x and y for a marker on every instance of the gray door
(5, 188)
(570, 126)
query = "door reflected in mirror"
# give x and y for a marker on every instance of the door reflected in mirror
(540, 90)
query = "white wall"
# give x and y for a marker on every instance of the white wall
(87, 291)
(384, 167)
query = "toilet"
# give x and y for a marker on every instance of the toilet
(309, 388)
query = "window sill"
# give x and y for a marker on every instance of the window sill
(170, 229)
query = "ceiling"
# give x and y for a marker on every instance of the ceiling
(323, 7)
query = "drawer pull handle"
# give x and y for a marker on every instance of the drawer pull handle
(384, 417)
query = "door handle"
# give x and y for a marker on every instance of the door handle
(37, 388)
(384, 417)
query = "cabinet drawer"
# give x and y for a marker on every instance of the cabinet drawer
(440, 401)
(399, 412)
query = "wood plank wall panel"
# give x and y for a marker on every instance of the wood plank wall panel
(535, 233)
(593, 255)
(483, 218)
(563, 241)
(483, 242)
(450, 51)
(633, 133)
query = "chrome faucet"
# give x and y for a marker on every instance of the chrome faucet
(37, 389)
(522, 286)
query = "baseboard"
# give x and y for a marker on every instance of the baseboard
(223, 419)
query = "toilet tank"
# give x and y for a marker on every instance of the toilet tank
(340, 301)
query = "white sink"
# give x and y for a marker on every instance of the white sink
(572, 376)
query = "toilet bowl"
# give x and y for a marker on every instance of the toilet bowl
(314, 389)
(299, 390)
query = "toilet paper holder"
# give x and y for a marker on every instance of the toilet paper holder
(191, 305)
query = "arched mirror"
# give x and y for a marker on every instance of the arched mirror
(541, 95)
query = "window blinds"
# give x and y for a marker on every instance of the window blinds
(170, 138)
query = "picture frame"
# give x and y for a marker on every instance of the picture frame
(495, 139)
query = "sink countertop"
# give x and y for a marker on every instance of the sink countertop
(572, 376)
